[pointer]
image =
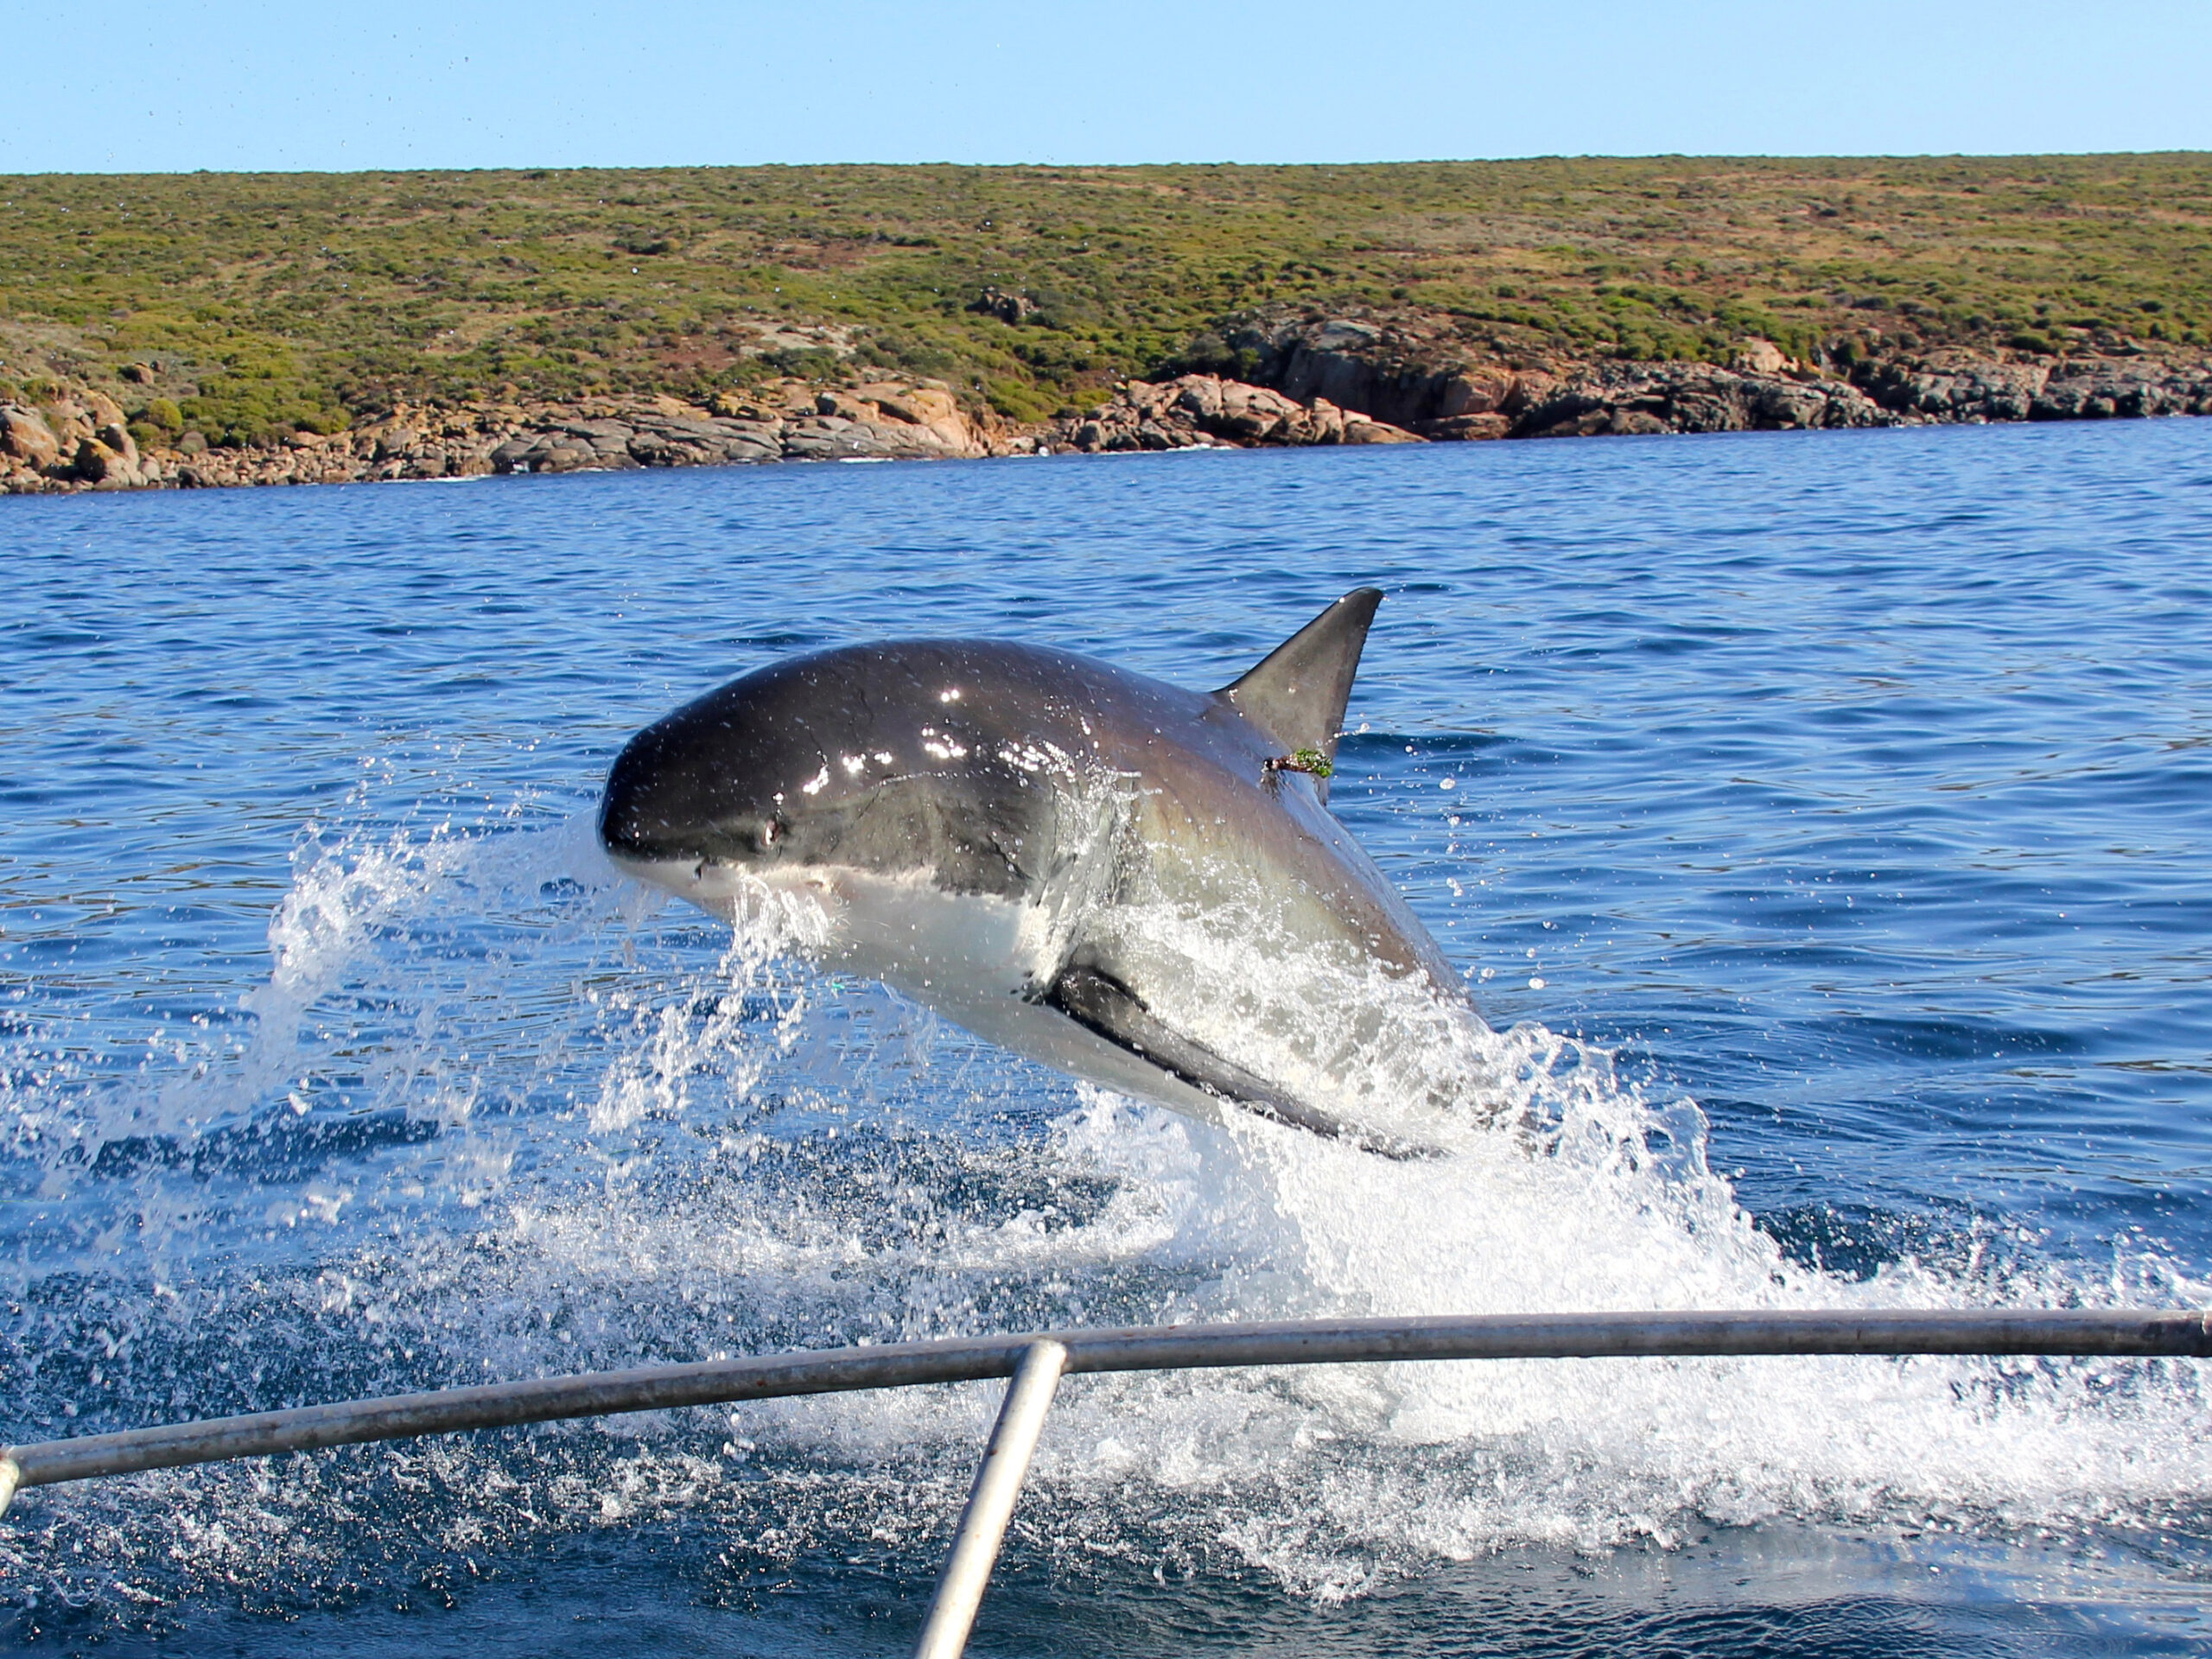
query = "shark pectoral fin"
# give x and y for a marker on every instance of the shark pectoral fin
(1102, 1004)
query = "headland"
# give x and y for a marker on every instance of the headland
(221, 329)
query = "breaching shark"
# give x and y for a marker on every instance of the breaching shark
(1136, 884)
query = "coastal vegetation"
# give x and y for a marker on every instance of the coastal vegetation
(245, 308)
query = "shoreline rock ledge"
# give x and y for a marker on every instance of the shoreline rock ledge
(1321, 380)
(78, 441)
(1203, 410)
(1416, 372)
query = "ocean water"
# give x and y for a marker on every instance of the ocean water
(1822, 822)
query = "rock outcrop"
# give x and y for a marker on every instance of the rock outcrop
(1626, 398)
(60, 447)
(1958, 386)
(1199, 410)
(27, 440)
(1416, 375)
(883, 421)
(78, 441)
(1415, 372)
(1008, 305)
(1400, 370)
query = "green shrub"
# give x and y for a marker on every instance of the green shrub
(1208, 353)
(812, 363)
(255, 409)
(1018, 402)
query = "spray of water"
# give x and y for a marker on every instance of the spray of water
(496, 1113)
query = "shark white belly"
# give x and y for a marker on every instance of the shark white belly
(1131, 883)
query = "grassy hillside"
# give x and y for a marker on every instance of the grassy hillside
(266, 302)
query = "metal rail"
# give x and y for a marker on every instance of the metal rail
(990, 1503)
(1031, 1361)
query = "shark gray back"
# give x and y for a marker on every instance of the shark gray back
(1087, 865)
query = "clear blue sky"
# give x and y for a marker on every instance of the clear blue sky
(127, 86)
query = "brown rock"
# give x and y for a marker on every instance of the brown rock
(1465, 429)
(1530, 388)
(1197, 410)
(1756, 356)
(1359, 430)
(1004, 304)
(391, 442)
(1254, 414)
(907, 418)
(1405, 371)
(1198, 397)
(106, 466)
(28, 438)
(732, 406)
(1474, 391)
(1321, 422)
(71, 422)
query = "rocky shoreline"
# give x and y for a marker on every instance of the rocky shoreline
(80, 441)
(1313, 381)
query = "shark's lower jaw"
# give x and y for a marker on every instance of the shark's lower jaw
(734, 892)
(940, 947)
(670, 874)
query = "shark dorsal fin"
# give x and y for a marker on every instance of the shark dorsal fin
(1297, 695)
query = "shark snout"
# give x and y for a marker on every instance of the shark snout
(638, 837)
(674, 823)
(666, 803)
(633, 835)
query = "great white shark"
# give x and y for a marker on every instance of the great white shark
(1136, 884)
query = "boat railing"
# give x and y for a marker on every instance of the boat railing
(1037, 1362)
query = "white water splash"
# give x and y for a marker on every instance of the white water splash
(668, 1044)
(729, 1154)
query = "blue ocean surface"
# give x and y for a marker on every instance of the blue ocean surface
(1823, 821)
